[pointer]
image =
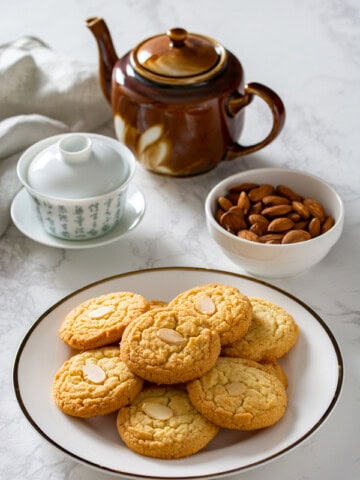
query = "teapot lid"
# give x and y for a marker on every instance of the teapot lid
(178, 58)
(77, 166)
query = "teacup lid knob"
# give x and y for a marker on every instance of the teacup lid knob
(75, 148)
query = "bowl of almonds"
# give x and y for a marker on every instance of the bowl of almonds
(274, 222)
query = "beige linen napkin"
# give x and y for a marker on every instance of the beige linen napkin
(42, 93)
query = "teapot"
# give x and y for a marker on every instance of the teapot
(179, 99)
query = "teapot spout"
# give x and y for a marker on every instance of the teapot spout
(107, 53)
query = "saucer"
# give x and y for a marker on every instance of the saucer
(25, 218)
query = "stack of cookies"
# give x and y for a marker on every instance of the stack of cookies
(176, 372)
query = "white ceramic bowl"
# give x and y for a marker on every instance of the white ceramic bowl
(276, 261)
(92, 203)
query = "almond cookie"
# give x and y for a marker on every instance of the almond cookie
(226, 308)
(162, 423)
(239, 394)
(168, 346)
(101, 320)
(275, 368)
(272, 333)
(157, 304)
(95, 382)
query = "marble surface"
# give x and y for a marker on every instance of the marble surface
(309, 53)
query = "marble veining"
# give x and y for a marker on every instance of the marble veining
(309, 52)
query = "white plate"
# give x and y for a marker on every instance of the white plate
(24, 216)
(314, 368)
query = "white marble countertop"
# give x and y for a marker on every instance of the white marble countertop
(308, 52)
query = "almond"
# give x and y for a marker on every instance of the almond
(276, 210)
(224, 203)
(244, 202)
(218, 214)
(301, 225)
(170, 336)
(287, 192)
(243, 187)
(94, 373)
(301, 209)
(280, 224)
(269, 237)
(260, 192)
(256, 208)
(157, 411)
(314, 227)
(275, 200)
(295, 236)
(204, 304)
(328, 223)
(258, 228)
(257, 218)
(295, 217)
(233, 219)
(316, 209)
(248, 235)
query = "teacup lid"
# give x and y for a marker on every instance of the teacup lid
(178, 58)
(77, 166)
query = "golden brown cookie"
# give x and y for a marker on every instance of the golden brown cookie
(157, 304)
(274, 367)
(168, 346)
(101, 320)
(226, 308)
(95, 382)
(272, 333)
(161, 422)
(239, 394)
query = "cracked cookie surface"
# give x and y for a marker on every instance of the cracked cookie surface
(101, 320)
(94, 382)
(168, 346)
(161, 422)
(239, 394)
(272, 333)
(228, 311)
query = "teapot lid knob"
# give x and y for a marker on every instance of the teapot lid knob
(177, 36)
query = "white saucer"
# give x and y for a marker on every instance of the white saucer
(25, 218)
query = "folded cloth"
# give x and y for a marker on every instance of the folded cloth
(42, 94)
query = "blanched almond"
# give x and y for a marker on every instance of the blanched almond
(94, 373)
(101, 311)
(204, 304)
(157, 411)
(236, 388)
(170, 336)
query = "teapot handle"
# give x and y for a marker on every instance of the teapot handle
(237, 102)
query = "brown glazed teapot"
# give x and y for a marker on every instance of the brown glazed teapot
(178, 100)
